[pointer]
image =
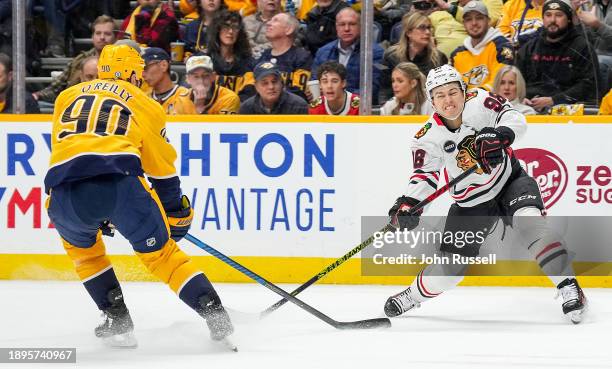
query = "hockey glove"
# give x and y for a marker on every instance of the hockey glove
(401, 218)
(180, 221)
(490, 147)
(107, 228)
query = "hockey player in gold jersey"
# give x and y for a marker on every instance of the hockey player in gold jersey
(107, 135)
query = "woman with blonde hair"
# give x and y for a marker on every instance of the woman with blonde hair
(408, 84)
(509, 83)
(416, 45)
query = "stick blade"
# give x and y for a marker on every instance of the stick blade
(366, 324)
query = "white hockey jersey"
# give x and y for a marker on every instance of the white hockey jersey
(437, 151)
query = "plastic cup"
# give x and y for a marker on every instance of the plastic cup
(177, 50)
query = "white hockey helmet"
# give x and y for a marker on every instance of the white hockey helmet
(440, 76)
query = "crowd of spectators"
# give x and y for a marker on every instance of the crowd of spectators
(303, 56)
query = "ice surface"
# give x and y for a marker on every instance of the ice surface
(469, 327)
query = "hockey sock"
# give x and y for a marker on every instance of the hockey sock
(94, 269)
(544, 244)
(176, 269)
(435, 279)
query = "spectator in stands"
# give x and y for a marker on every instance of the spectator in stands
(189, 7)
(557, 65)
(520, 25)
(89, 69)
(456, 9)
(408, 92)
(55, 20)
(509, 83)
(599, 23)
(272, 97)
(103, 33)
(228, 47)
(174, 99)
(152, 23)
(335, 99)
(293, 62)
(416, 46)
(606, 104)
(255, 25)
(321, 24)
(484, 52)
(447, 32)
(345, 50)
(195, 33)
(6, 89)
(207, 96)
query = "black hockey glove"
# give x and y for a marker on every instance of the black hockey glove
(107, 228)
(180, 221)
(490, 146)
(401, 218)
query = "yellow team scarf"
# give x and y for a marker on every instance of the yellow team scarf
(131, 27)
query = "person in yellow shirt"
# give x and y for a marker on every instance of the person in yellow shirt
(448, 33)
(484, 52)
(456, 9)
(606, 104)
(174, 99)
(519, 24)
(208, 96)
(106, 136)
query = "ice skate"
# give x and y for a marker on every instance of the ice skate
(117, 329)
(218, 322)
(398, 304)
(574, 302)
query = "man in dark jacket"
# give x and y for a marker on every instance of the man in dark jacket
(557, 65)
(6, 89)
(321, 24)
(345, 50)
(272, 98)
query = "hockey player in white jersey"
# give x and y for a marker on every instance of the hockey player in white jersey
(470, 127)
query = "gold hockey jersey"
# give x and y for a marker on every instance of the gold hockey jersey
(108, 126)
(479, 65)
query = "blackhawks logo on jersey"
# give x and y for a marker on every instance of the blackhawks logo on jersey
(466, 158)
(422, 131)
(470, 95)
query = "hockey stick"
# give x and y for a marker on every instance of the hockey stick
(360, 324)
(367, 242)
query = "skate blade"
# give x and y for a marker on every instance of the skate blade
(577, 316)
(226, 344)
(122, 341)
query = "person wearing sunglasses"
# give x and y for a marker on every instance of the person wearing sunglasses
(230, 51)
(416, 45)
(447, 33)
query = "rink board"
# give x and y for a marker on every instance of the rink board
(284, 195)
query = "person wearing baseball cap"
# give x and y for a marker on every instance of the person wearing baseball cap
(484, 51)
(272, 97)
(174, 99)
(207, 96)
(558, 65)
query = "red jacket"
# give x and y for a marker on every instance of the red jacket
(351, 106)
(162, 31)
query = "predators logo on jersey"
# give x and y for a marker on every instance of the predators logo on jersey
(466, 158)
(477, 75)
